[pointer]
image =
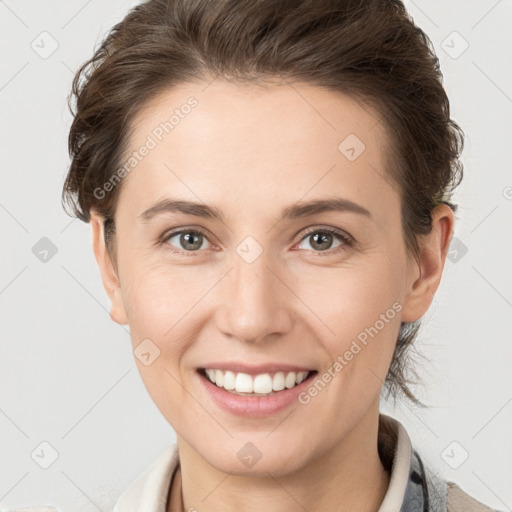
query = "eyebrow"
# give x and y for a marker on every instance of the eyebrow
(296, 211)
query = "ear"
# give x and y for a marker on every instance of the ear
(425, 275)
(109, 276)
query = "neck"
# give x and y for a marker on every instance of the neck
(348, 477)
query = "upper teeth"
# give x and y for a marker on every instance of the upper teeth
(263, 383)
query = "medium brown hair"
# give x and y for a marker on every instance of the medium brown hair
(370, 50)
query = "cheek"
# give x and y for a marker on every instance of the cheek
(163, 304)
(354, 296)
(159, 307)
(156, 294)
(360, 312)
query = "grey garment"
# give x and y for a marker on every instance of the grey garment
(425, 490)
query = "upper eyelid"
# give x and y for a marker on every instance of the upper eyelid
(333, 230)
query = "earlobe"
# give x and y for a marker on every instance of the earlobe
(109, 276)
(117, 311)
(429, 269)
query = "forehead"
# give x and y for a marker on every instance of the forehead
(246, 144)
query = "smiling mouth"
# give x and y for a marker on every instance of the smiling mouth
(264, 384)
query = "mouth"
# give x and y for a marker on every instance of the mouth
(258, 385)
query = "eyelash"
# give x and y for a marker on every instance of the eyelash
(347, 240)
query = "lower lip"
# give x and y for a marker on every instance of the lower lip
(253, 406)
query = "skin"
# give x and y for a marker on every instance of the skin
(253, 151)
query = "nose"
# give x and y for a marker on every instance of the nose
(257, 301)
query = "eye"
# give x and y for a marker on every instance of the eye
(188, 240)
(322, 240)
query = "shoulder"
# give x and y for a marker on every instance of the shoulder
(440, 495)
(458, 500)
(151, 487)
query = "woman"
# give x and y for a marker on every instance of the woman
(268, 185)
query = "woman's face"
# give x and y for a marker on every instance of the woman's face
(264, 285)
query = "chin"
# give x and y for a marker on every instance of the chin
(246, 459)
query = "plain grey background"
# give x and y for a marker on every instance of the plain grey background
(69, 379)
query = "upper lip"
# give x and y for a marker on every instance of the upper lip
(256, 369)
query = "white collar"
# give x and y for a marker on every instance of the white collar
(149, 491)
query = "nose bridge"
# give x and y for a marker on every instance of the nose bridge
(252, 278)
(255, 303)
